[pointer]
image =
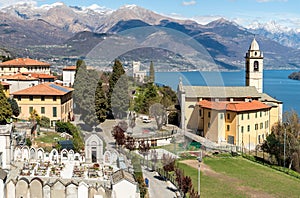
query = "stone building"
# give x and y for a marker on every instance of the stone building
(93, 148)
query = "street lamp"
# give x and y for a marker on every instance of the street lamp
(199, 160)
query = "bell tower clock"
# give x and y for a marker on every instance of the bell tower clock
(254, 67)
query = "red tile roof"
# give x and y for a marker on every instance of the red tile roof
(234, 106)
(17, 77)
(50, 89)
(24, 62)
(70, 68)
(39, 75)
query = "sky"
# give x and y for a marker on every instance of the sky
(244, 12)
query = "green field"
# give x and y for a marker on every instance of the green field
(238, 177)
(48, 137)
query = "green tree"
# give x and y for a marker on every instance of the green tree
(100, 102)
(80, 64)
(45, 122)
(34, 116)
(151, 73)
(285, 134)
(14, 106)
(117, 72)
(5, 108)
(120, 99)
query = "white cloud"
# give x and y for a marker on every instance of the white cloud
(189, 3)
(5, 3)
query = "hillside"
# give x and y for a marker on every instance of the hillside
(61, 34)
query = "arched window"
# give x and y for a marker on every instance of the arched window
(256, 66)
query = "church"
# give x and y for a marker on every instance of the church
(238, 115)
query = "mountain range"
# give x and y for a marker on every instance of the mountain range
(61, 34)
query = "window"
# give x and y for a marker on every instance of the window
(263, 137)
(31, 98)
(248, 128)
(242, 129)
(248, 116)
(42, 98)
(258, 139)
(261, 125)
(208, 114)
(260, 114)
(30, 109)
(256, 126)
(208, 124)
(54, 111)
(228, 116)
(54, 98)
(256, 66)
(255, 114)
(9, 68)
(228, 127)
(221, 116)
(200, 112)
(242, 116)
(42, 110)
(267, 124)
(19, 98)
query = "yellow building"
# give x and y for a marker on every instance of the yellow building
(48, 99)
(244, 124)
(202, 107)
(6, 88)
(23, 65)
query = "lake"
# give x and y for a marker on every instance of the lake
(276, 83)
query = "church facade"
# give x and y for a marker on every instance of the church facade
(238, 115)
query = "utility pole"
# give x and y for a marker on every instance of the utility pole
(284, 146)
(199, 163)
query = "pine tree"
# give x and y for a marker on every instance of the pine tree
(151, 73)
(100, 102)
(5, 108)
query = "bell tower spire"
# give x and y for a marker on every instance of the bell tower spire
(254, 66)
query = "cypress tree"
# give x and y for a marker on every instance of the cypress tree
(151, 73)
(5, 108)
(100, 102)
(117, 72)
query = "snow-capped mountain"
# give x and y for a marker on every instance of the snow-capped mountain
(284, 35)
(25, 25)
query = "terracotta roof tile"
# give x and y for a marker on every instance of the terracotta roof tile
(234, 106)
(69, 68)
(39, 75)
(24, 62)
(17, 77)
(52, 89)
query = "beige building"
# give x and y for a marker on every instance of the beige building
(48, 99)
(22, 65)
(220, 113)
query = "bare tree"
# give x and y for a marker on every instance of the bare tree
(154, 158)
(158, 111)
(144, 148)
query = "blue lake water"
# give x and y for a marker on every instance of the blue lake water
(276, 83)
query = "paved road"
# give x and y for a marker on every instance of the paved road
(157, 187)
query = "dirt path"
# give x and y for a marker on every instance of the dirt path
(235, 183)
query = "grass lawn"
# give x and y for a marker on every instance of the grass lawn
(243, 176)
(48, 137)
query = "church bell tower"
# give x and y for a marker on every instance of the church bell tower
(254, 67)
